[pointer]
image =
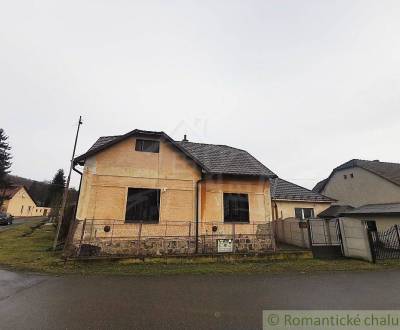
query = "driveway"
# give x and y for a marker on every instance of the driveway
(182, 302)
(20, 221)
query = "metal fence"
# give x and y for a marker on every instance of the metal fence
(97, 237)
(386, 244)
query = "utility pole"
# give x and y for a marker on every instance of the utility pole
(65, 195)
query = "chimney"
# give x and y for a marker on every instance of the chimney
(185, 139)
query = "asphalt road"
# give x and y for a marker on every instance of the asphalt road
(20, 221)
(183, 302)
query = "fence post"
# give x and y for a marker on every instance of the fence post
(112, 232)
(82, 234)
(139, 238)
(339, 234)
(309, 234)
(328, 233)
(233, 238)
(190, 236)
(397, 232)
(371, 246)
(91, 231)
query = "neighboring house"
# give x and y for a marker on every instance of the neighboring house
(361, 182)
(145, 184)
(19, 203)
(292, 201)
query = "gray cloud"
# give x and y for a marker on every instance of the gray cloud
(301, 85)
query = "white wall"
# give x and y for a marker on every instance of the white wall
(288, 231)
(364, 188)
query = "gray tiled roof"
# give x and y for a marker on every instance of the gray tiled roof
(281, 189)
(334, 211)
(101, 141)
(212, 158)
(388, 171)
(320, 186)
(388, 209)
(221, 159)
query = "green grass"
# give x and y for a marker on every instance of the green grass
(28, 247)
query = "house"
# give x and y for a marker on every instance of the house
(292, 201)
(367, 194)
(361, 182)
(143, 191)
(19, 203)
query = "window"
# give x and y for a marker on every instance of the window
(147, 146)
(351, 175)
(22, 209)
(304, 213)
(142, 205)
(236, 207)
(345, 177)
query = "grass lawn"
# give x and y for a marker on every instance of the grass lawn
(28, 247)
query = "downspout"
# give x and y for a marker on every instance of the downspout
(79, 191)
(197, 213)
(275, 215)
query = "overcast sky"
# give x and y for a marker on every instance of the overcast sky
(302, 85)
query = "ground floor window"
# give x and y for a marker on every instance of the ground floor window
(142, 205)
(236, 207)
(303, 213)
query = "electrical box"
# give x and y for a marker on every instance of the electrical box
(224, 245)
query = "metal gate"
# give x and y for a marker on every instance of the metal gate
(385, 244)
(325, 238)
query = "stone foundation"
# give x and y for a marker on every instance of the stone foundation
(152, 247)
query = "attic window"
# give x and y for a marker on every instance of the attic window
(147, 146)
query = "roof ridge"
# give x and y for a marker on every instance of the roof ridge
(298, 185)
(317, 196)
(211, 144)
(376, 167)
(108, 136)
(392, 203)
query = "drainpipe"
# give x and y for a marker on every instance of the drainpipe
(79, 191)
(197, 214)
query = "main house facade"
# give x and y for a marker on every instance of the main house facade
(144, 192)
